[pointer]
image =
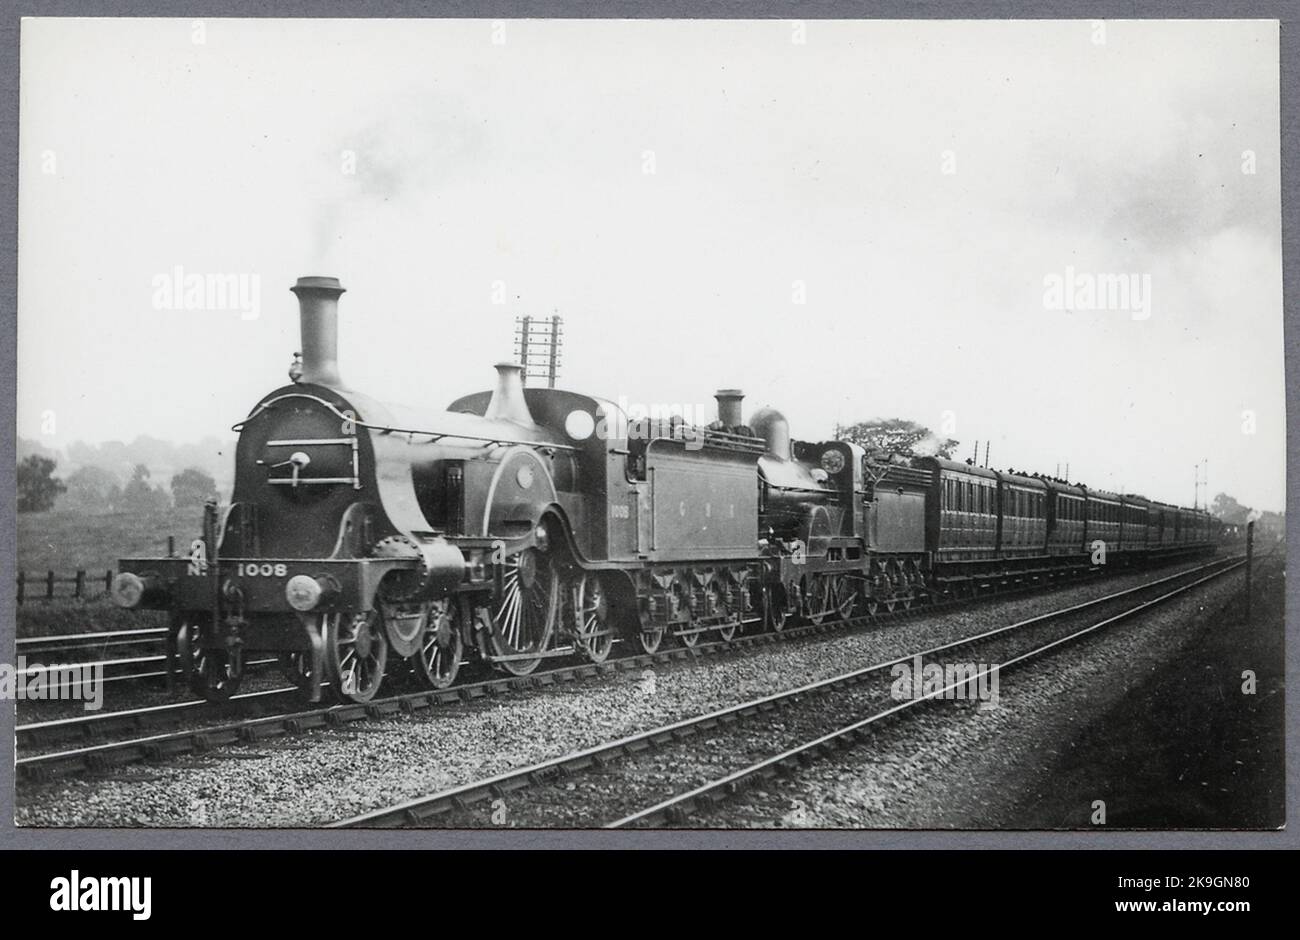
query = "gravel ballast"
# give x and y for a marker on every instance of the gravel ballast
(965, 766)
(318, 778)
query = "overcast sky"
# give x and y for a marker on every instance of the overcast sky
(674, 189)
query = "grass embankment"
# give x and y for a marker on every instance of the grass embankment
(63, 541)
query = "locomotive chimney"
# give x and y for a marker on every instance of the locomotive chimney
(318, 306)
(508, 402)
(729, 400)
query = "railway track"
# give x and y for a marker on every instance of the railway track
(102, 741)
(551, 781)
(147, 646)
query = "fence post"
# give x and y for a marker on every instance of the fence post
(22, 582)
(49, 585)
(80, 589)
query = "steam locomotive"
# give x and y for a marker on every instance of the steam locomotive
(526, 523)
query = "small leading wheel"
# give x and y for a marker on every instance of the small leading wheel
(720, 605)
(523, 617)
(296, 668)
(679, 611)
(775, 613)
(846, 597)
(356, 652)
(594, 624)
(650, 638)
(442, 645)
(821, 598)
(214, 675)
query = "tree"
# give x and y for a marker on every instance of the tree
(37, 487)
(192, 487)
(93, 489)
(896, 436)
(139, 495)
(1229, 510)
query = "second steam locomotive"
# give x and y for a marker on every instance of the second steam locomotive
(526, 523)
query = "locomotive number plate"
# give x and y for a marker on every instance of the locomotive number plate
(254, 569)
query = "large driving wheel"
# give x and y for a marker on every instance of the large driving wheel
(356, 652)
(523, 617)
(442, 644)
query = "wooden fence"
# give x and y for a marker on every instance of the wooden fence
(42, 587)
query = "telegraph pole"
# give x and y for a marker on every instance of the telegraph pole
(537, 346)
